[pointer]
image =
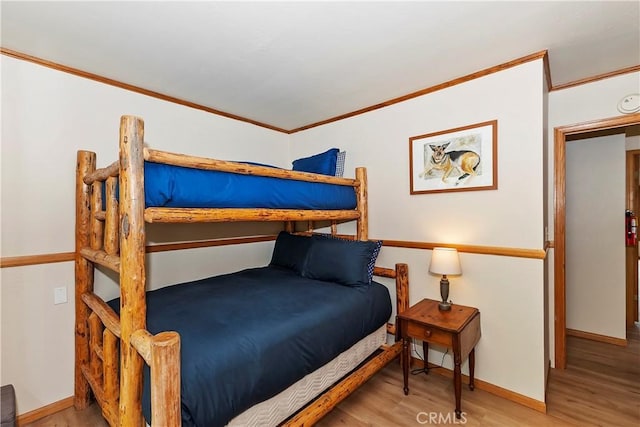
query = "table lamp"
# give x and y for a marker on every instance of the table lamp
(445, 261)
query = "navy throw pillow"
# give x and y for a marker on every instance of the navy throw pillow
(290, 251)
(323, 163)
(349, 262)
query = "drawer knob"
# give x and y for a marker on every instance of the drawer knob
(427, 333)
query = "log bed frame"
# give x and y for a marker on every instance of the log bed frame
(110, 350)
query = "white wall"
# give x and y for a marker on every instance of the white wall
(508, 291)
(578, 104)
(595, 231)
(46, 117)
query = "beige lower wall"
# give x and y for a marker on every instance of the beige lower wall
(37, 336)
(39, 360)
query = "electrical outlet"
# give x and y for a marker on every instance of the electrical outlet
(60, 295)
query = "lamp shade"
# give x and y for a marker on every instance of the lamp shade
(445, 261)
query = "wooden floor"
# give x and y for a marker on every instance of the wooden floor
(600, 387)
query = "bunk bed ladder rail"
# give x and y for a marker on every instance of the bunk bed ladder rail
(97, 325)
(102, 371)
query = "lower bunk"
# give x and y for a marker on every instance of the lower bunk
(273, 411)
(258, 345)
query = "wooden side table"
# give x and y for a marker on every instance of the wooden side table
(458, 329)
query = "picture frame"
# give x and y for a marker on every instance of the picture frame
(459, 159)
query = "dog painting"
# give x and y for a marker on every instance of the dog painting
(454, 160)
(464, 163)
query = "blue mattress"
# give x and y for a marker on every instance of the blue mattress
(247, 336)
(181, 187)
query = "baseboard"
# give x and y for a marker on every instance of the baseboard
(37, 414)
(490, 388)
(597, 337)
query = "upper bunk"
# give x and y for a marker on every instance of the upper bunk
(178, 188)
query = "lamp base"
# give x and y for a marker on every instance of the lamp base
(444, 306)
(444, 293)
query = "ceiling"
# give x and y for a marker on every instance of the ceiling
(290, 64)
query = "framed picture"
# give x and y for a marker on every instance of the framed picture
(460, 159)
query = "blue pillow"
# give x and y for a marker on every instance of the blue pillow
(290, 251)
(349, 262)
(323, 163)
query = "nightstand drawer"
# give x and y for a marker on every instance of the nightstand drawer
(429, 334)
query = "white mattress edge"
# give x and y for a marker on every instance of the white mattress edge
(273, 411)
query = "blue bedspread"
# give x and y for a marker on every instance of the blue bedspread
(249, 335)
(176, 186)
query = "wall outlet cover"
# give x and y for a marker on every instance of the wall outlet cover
(60, 295)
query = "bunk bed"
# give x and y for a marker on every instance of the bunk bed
(129, 356)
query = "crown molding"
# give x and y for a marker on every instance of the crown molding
(592, 79)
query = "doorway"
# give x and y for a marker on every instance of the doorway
(560, 141)
(632, 261)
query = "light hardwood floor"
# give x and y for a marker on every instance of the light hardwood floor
(600, 387)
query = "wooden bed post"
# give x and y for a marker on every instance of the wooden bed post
(84, 272)
(165, 377)
(402, 287)
(132, 267)
(162, 354)
(362, 206)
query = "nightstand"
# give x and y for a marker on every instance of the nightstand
(458, 329)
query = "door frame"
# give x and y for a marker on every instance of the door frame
(559, 185)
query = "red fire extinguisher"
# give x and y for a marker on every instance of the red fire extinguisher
(631, 228)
